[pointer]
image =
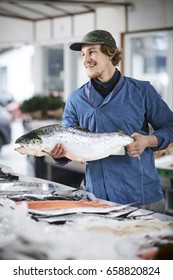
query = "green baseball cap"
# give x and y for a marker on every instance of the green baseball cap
(96, 37)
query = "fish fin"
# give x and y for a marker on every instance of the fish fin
(82, 128)
(120, 151)
(122, 132)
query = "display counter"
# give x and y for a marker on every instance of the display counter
(164, 166)
(87, 229)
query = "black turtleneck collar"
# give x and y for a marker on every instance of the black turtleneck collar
(104, 88)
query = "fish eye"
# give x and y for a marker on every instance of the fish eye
(36, 141)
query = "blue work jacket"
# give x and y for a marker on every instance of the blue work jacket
(122, 179)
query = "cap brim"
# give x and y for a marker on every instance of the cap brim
(77, 46)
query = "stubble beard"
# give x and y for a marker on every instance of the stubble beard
(94, 75)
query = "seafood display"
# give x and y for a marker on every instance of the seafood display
(43, 220)
(81, 237)
(80, 145)
(61, 204)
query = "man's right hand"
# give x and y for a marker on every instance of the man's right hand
(58, 151)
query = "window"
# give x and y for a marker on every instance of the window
(148, 56)
(53, 69)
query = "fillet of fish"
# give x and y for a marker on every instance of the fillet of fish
(80, 145)
(63, 204)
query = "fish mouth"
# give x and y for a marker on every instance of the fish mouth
(20, 146)
(21, 149)
(26, 151)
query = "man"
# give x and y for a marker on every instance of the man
(109, 102)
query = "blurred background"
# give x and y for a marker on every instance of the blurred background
(37, 67)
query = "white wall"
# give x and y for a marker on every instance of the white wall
(15, 30)
(83, 24)
(116, 16)
(150, 14)
(43, 30)
(62, 27)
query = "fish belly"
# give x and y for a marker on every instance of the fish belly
(92, 152)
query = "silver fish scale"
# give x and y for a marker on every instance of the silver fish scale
(79, 145)
(52, 129)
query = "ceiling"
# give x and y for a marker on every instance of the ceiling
(34, 10)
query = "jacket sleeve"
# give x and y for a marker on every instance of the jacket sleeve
(160, 117)
(61, 161)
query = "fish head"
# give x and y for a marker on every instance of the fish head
(30, 144)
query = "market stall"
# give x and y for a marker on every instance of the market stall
(36, 225)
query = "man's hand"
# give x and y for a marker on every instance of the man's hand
(58, 151)
(136, 148)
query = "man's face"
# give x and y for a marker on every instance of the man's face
(97, 64)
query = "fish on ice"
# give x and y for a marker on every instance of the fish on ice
(80, 145)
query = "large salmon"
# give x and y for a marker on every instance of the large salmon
(80, 145)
